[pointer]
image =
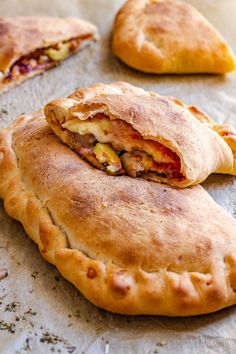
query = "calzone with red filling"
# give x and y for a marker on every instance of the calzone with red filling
(122, 129)
(31, 45)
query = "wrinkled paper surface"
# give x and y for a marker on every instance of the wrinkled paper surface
(45, 312)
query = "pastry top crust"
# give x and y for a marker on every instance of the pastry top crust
(169, 36)
(20, 36)
(183, 129)
(130, 246)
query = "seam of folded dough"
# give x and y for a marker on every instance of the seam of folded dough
(106, 284)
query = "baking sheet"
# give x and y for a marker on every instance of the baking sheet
(40, 312)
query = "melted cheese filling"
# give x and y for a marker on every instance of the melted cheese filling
(120, 149)
(43, 58)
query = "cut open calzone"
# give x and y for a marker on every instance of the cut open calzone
(31, 45)
(129, 245)
(169, 36)
(122, 129)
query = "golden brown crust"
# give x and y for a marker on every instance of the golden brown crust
(168, 36)
(130, 246)
(20, 36)
(185, 130)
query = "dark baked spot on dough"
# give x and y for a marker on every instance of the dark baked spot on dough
(82, 205)
(146, 197)
(181, 290)
(125, 195)
(215, 294)
(121, 282)
(91, 273)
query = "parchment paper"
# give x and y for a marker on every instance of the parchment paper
(46, 313)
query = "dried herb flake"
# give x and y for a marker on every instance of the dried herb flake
(51, 338)
(34, 275)
(12, 307)
(7, 326)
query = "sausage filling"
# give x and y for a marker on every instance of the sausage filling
(43, 58)
(115, 147)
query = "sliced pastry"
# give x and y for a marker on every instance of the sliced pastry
(31, 45)
(122, 129)
(169, 36)
(129, 245)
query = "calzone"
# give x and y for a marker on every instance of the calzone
(169, 36)
(130, 246)
(122, 129)
(31, 45)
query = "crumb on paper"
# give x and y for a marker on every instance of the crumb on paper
(57, 277)
(161, 343)
(3, 273)
(98, 330)
(107, 347)
(26, 345)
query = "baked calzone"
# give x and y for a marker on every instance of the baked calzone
(129, 245)
(31, 45)
(169, 36)
(122, 129)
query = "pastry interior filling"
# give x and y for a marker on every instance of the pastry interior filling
(115, 147)
(43, 58)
